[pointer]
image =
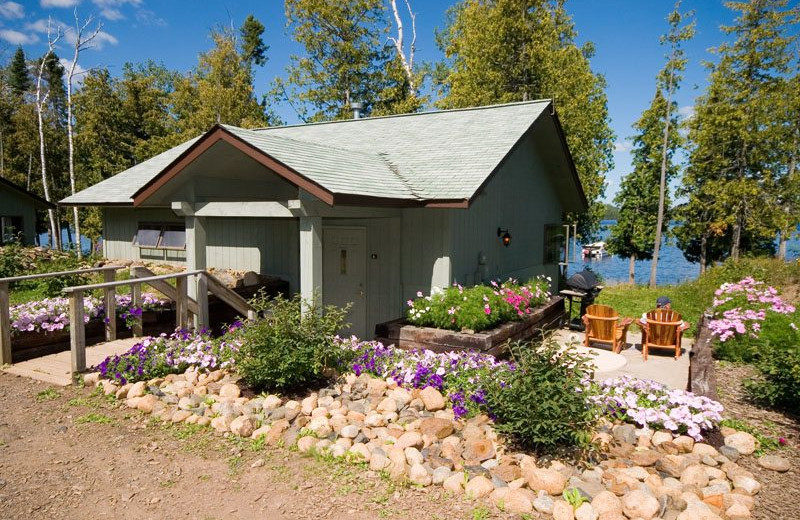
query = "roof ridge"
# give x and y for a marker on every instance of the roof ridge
(412, 114)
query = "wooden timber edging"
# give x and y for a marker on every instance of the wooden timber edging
(702, 375)
(494, 341)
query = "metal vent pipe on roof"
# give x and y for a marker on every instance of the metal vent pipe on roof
(357, 109)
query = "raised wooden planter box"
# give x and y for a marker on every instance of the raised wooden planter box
(493, 341)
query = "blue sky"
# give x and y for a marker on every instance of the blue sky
(625, 34)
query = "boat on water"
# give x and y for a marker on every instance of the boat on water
(594, 250)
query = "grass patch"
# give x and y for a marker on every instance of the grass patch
(48, 394)
(692, 298)
(96, 418)
(82, 401)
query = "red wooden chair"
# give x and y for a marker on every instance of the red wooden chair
(604, 325)
(662, 329)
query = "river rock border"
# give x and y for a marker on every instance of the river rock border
(412, 436)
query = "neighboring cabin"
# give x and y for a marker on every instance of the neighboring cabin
(18, 208)
(368, 211)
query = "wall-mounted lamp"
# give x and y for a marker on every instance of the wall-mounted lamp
(504, 235)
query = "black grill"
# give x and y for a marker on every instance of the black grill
(585, 282)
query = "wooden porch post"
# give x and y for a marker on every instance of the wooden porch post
(311, 258)
(136, 302)
(181, 303)
(5, 325)
(77, 332)
(196, 261)
(111, 306)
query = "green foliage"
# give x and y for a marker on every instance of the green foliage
(480, 307)
(543, 402)
(610, 212)
(515, 50)
(12, 260)
(253, 48)
(740, 135)
(19, 78)
(48, 394)
(291, 347)
(573, 497)
(778, 383)
(94, 418)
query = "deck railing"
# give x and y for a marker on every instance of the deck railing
(109, 275)
(184, 305)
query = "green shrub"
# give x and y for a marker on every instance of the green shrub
(291, 347)
(778, 383)
(12, 260)
(544, 402)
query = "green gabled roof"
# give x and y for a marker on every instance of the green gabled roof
(431, 156)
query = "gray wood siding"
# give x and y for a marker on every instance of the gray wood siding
(520, 198)
(425, 250)
(384, 300)
(266, 246)
(119, 228)
(13, 204)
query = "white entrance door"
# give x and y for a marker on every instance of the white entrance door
(344, 274)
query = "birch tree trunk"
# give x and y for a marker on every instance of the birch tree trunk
(81, 43)
(662, 186)
(406, 61)
(632, 270)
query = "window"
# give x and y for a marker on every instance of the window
(160, 236)
(553, 244)
(10, 229)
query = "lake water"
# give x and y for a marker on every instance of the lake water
(673, 268)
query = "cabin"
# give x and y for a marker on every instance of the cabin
(366, 211)
(18, 208)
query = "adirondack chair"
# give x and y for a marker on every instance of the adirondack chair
(662, 329)
(604, 325)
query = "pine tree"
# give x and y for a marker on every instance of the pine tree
(254, 51)
(514, 50)
(19, 77)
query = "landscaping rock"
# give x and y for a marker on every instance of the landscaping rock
(548, 480)
(517, 501)
(478, 450)
(625, 433)
(454, 483)
(607, 502)
(638, 504)
(660, 437)
(243, 426)
(441, 474)
(137, 389)
(694, 475)
(730, 453)
(436, 427)
(742, 441)
(409, 439)
(774, 463)
(230, 390)
(586, 512)
(746, 483)
(432, 399)
(305, 444)
(478, 487)
(419, 475)
(563, 511)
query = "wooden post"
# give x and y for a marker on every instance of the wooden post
(5, 325)
(201, 317)
(111, 306)
(311, 260)
(136, 302)
(181, 303)
(77, 332)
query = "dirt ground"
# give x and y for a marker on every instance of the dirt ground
(65, 453)
(778, 497)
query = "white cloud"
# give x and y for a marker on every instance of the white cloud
(11, 10)
(623, 146)
(111, 9)
(17, 38)
(147, 17)
(686, 112)
(59, 3)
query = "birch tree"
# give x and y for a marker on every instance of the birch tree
(399, 44)
(82, 42)
(667, 83)
(40, 103)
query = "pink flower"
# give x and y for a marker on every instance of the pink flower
(487, 309)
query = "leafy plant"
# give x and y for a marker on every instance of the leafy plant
(778, 383)
(543, 402)
(292, 346)
(573, 497)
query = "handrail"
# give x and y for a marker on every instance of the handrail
(13, 279)
(183, 305)
(130, 281)
(109, 273)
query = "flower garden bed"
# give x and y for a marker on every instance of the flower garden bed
(493, 341)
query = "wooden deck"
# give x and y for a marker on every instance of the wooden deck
(55, 368)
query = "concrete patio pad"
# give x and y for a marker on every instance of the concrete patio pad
(661, 366)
